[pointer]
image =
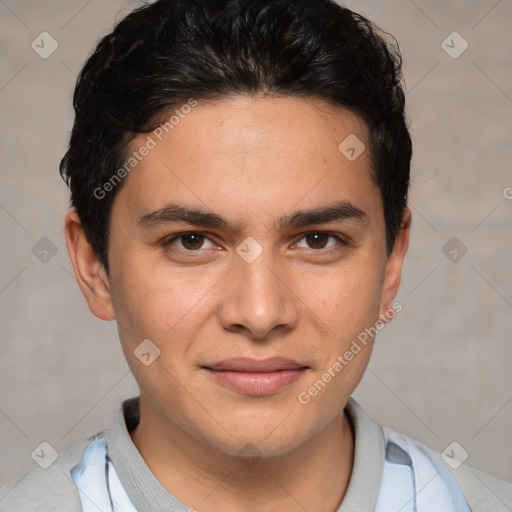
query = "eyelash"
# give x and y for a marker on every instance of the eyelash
(342, 242)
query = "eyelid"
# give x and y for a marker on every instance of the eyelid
(176, 236)
(342, 240)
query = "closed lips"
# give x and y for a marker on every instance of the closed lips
(256, 366)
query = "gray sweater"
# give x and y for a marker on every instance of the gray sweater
(53, 490)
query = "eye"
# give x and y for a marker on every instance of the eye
(193, 241)
(318, 240)
(190, 241)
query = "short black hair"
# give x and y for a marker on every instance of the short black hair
(166, 53)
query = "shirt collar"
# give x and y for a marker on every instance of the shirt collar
(146, 492)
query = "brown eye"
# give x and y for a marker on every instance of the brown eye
(322, 241)
(192, 241)
(189, 241)
(317, 240)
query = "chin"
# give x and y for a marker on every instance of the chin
(256, 447)
(269, 439)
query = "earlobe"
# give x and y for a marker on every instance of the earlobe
(89, 271)
(394, 267)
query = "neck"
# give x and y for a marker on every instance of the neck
(314, 476)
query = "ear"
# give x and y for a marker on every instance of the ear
(393, 271)
(89, 271)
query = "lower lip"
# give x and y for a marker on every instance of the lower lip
(256, 383)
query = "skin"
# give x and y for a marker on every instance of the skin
(250, 160)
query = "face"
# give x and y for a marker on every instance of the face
(251, 252)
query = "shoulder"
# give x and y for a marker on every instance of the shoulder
(481, 491)
(46, 490)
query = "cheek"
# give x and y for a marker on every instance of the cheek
(156, 303)
(345, 299)
(347, 302)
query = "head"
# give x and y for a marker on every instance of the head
(239, 174)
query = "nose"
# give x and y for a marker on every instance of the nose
(259, 301)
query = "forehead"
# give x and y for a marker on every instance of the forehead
(257, 152)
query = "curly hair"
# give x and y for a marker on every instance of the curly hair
(162, 54)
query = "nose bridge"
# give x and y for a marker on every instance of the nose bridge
(258, 279)
(259, 299)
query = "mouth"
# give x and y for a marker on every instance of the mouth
(256, 377)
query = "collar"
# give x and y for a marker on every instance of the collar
(146, 492)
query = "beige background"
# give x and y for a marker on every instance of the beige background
(440, 371)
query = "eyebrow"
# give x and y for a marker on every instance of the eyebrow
(174, 212)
